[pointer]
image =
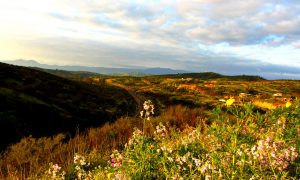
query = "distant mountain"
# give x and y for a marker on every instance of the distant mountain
(212, 75)
(99, 70)
(37, 103)
(69, 74)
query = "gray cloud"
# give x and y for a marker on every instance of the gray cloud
(209, 21)
(173, 34)
(82, 52)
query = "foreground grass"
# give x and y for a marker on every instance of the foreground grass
(241, 143)
(31, 156)
(235, 142)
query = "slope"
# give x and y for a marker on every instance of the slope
(36, 103)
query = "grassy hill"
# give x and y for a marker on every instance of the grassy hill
(40, 104)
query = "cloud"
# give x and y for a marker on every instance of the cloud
(227, 36)
(276, 55)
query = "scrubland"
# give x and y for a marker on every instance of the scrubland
(191, 128)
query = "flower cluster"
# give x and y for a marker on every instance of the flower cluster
(165, 150)
(137, 136)
(148, 110)
(272, 154)
(80, 167)
(79, 160)
(160, 132)
(269, 154)
(116, 159)
(54, 172)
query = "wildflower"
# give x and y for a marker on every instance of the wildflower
(109, 175)
(272, 154)
(116, 159)
(170, 159)
(160, 132)
(239, 152)
(197, 161)
(163, 148)
(142, 113)
(148, 110)
(265, 105)
(80, 160)
(204, 169)
(56, 167)
(183, 159)
(54, 172)
(230, 101)
(288, 104)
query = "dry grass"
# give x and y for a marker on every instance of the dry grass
(32, 156)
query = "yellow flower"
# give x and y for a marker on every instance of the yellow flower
(288, 104)
(230, 102)
(108, 175)
(265, 105)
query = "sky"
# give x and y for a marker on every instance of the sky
(225, 36)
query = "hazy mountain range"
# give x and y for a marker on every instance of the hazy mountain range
(268, 71)
(99, 70)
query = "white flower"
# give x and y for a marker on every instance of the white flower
(142, 113)
(170, 159)
(56, 168)
(197, 161)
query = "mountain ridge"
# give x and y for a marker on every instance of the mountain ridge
(99, 70)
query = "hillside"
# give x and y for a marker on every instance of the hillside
(200, 122)
(212, 75)
(39, 104)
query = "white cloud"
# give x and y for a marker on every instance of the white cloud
(159, 32)
(281, 55)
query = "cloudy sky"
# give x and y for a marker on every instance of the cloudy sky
(226, 36)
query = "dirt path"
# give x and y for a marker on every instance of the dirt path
(131, 92)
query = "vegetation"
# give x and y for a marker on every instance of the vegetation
(232, 142)
(40, 104)
(240, 143)
(192, 128)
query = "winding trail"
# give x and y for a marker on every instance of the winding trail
(131, 92)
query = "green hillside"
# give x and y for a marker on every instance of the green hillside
(39, 104)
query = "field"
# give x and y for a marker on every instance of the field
(195, 126)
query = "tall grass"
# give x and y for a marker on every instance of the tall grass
(228, 142)
(31, 156)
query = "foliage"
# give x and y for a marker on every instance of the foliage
(238, 147)
(240, 143)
